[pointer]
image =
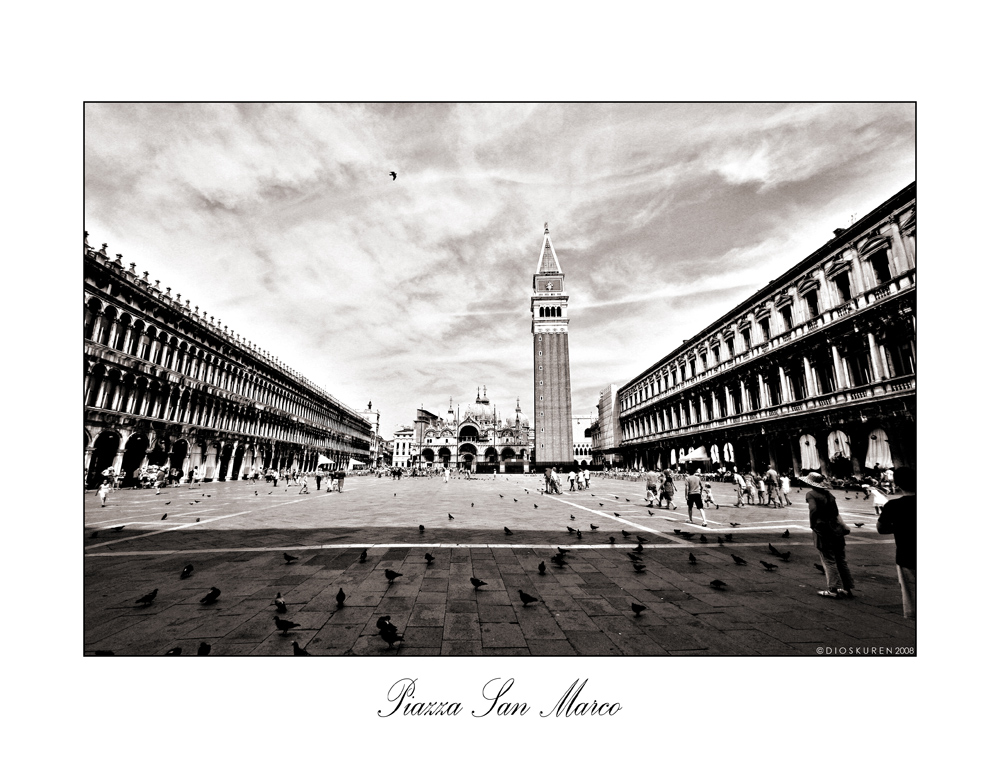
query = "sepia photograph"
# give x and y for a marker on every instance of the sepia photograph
(491, 379)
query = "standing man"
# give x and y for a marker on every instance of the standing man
(772, 482)
(829, 531)
(586, 478)
(899, 518)
(741, 487)
(693, 491)
(340, 480)
(572, 481)
(548, 481)
(319, 478)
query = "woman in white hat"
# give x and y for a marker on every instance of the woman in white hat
(829, 531)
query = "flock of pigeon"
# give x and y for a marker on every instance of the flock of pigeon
(390, 634)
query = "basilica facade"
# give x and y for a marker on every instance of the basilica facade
(476, 439)
(166, 385)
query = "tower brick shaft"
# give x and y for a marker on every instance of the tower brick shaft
(550, 347)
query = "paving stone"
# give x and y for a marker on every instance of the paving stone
(506, 651)
(427, 615)
(424, 636)
(550, 647)
(592, 643)
(461, 626)
(462, 647)
(498, 613)
(502, 635)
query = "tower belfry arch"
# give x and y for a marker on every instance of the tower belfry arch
(550, 351)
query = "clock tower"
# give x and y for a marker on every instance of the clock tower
(550, 348)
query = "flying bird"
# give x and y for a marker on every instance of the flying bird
(296, 650)
(393, 175)
(859, 525)
(637, 609)
(290, 558)
(340, 598)
(691, 558)
(594, 527)
(284, 625)
(507, 531)
(173, 651)
(279, 602)
(391, 575)
(187, 571)
(737, 560)
(148, 598)
(768, 566)
(204, 648)
(541, 568)
(717, 584)
(650, 512)
(477, 583)
(364, 556)
(526, 598)
(211, 597)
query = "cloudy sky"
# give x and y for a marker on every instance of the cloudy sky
(283, 222)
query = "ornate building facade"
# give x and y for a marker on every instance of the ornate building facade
(816, 371)
(477, 440)
(166, 385)
(550, 340)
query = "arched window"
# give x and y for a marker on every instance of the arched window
(559, 312)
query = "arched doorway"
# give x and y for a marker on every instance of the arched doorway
(428, 456)
(135, 454)
(224, 457)
(158, 455)
(105, 450)
(507, 455)
(178, 452)
(445, 455)
(467, 455)
(238, 461)
(491, 455)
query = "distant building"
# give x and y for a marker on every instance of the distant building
(815, 372)
(478, 439)
(582, 452)
(403, 448)
(374, 418)
(606, 433)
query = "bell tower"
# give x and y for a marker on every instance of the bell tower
(550, 348)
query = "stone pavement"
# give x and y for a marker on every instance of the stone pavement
(583, 609)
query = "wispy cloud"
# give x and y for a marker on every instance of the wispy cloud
(283, 222)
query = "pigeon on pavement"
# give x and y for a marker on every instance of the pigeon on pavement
(279, 601)
(691, 558)
(768, 566)
(507, 531)
(594, 527)
(625, 534)
(611, 539)
(163, 517)
(289, 558)
(364, 556)
(284, 625)
(617, 515)
(390, 635)
(187, 571)
(717, 584)
(148, 598)
(703, 539)
(639, 567)
(541, 568)
(637, 609)
(569, 529)
(211, 597)
(429, 558)
(734, 524)
(391, 575)
(173, 651)
(477, 583)
(572, 517)
(450, 517)
(421, 527)
(296, 650)
(737, 560)
(204, 648)
(526, 598)
(340, 597)
(787, 534)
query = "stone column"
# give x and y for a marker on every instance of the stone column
(811, 390)
(878, 367)
(762, 389)
(116, 464)
(900, 254)
(786, 394)
(838, 368)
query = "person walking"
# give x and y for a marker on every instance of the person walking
(741, 487)
(160, 476)
(706, 495)
(829, 531)
(786, 489)
(103, 493)
(899, 518)
(572, 481)
(319, 479)
(693, 491)
(772, 483)
(653, 481)
(340, 480)
(667, 490)
(586, 478)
